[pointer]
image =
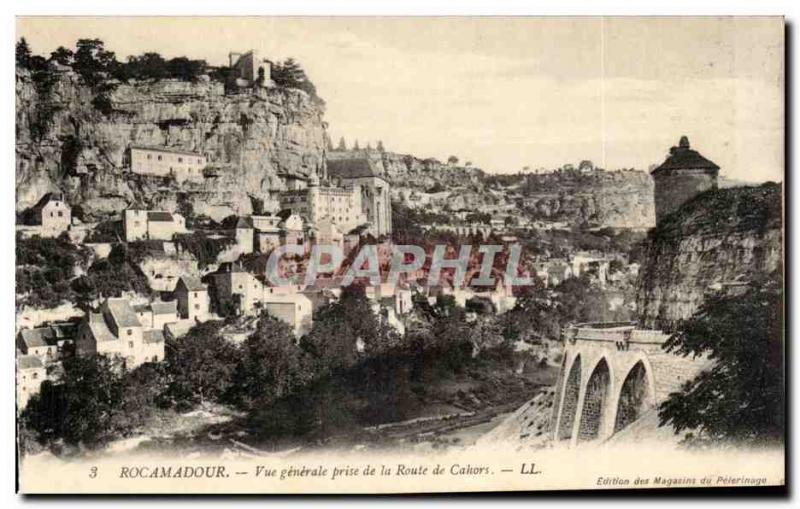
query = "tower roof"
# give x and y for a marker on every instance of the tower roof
(683, 157)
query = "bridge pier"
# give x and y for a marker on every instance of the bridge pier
(611, 375)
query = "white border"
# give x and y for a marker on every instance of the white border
(320, 7)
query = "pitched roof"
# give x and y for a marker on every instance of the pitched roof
(157, 215)
(244, 222)
(352, 168)
(153, 336)
(29, 362)
(192, 283)
(32, 338)
(47, 198)
(122, 313)
(169, 307)
(683, 157)
(99, 328)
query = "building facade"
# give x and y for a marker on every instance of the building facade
(342, 206)
(192, 298)
(31, 372)
(166, 162)
(116, 331)
(250, 68)
(683, 175)
(151, 225)
(359, 173)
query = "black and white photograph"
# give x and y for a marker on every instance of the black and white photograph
(387, 255)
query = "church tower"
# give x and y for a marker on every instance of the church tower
(681, 177)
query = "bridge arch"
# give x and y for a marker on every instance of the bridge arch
(595, 403)
(569, 405)
(636, 396)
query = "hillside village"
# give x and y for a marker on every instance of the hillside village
(144, 239)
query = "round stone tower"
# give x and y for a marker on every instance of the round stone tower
(682, 176)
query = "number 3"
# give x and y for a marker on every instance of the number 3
(92, 472)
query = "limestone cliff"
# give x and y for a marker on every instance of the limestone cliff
(720, 239)
(620, 199)
(405, 170)
(67, 141)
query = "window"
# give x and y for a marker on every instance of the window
(155, 358)
(130, 344)
(130, 332)
(149, 156)
(197, 306)
(159, 158)
(195, 294)
(35, 376)
(198, 161)
(60, 214)
(180, 159)
(51, 214)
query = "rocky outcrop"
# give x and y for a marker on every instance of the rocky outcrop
(720, 240)
(73, 139)
(618, 199)
(405, 170)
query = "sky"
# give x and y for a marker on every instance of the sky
(506, 93)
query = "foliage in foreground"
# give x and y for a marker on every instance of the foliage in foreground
(740, 399)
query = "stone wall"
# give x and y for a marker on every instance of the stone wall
(611, 384)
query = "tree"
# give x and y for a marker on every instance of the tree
(290, 74)
(740, 399)
(272, 365)
(369, 146)
(92, 61)
(201, 365)
(23, 54)
(342, 328)
(355, 145)
(452, 160)
(342, 145)
(379, 147)
(62, 55)
(81, 410)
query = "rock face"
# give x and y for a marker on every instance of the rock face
(619, 199)
(404, 170)
(254, 140)
(720, 239)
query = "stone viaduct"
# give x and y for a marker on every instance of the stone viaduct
(613, 374)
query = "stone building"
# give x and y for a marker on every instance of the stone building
(248, 69)
(684, 174)
(40, 342)
(340, 205)
(31, 372)
(244, 235)
(116, 331)
(360, 174)
(151, 225)
(165, 162)
(52, 215)
(192, 297)
(156, 315)
(293, 309)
